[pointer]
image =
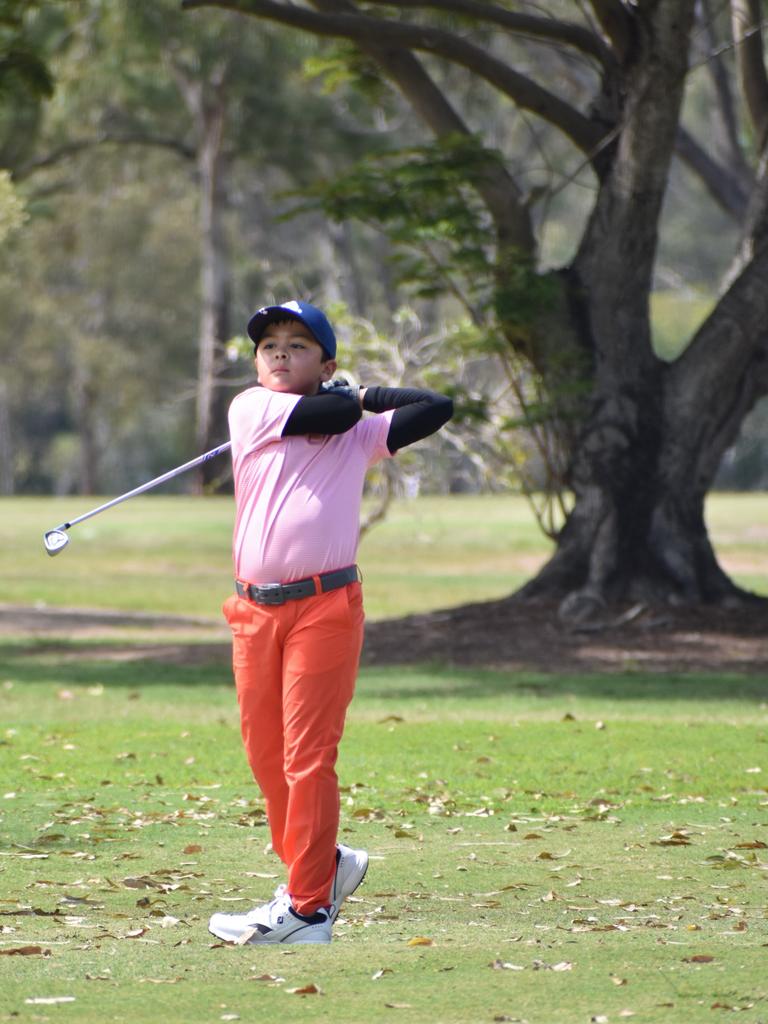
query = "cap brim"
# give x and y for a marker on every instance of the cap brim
(270, 315)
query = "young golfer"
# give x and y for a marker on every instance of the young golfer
(300, 451)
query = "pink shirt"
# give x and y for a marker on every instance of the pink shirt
(297, 498)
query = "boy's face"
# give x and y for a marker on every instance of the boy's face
(290, 360)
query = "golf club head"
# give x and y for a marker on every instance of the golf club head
(55, 541)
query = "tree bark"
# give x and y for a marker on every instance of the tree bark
(6, 443)
(207, 103)
(654, 434)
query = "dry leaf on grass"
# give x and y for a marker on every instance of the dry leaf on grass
(504, 965)
(26, 951)
(420, 940)
(48, 1000)
(306, 990)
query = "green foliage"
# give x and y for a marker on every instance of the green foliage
(424, 198)
(342, 65)
(23, 66)
(30, 33)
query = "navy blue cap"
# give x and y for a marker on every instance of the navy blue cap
(312, 318)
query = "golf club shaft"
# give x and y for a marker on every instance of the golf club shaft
(150, 484)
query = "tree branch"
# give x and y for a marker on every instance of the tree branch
(616, 22)
(722, 81)
(76, 146)
(748, 38)
(531, 26)
(362, 29)
(724, 186)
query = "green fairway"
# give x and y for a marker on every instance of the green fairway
(548, 849)
(172, 554)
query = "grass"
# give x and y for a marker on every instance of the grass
(172, 554)
(549, 849)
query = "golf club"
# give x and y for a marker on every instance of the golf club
(56, 540)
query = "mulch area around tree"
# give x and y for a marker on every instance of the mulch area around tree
(510, 634)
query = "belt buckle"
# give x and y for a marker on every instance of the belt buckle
(269, 593)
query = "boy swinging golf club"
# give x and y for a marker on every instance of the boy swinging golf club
(300, 451)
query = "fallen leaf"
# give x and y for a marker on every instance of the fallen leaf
(420, 940)
(274, 978)
(196, 848)
(26, 951)
(564, 965)
(699, 958)
(49, 1000)
(755, 844)
(503, 965)
(160, 981)
(618, 981)
(398, 1006)
(306, 990)
(677, 838)
(381, 972)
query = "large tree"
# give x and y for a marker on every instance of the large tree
(645, 436)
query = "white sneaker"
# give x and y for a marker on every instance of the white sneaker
(351, 866)
(275, 922)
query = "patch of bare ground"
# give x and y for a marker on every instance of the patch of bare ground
(494, 634)
(512, 634)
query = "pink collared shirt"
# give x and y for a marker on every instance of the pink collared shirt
(297, 498)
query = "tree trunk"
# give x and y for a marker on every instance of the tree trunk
(214, 287)
(84, 403)
(6, 443)
(207, 102)
(653, 434)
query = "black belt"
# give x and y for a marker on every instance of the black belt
(279, 593)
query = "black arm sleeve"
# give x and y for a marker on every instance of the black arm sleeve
(324, 413)
(418, 413)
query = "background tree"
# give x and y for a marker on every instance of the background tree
(152, 223)
(645, 436)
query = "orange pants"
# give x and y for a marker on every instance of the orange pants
(295, 667)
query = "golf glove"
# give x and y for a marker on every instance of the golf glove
(342, 387)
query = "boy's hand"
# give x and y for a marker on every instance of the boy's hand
(342, 387)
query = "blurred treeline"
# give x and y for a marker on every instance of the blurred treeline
(160, 170)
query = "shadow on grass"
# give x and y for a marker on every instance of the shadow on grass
(20, 666)
(434, 683)
(64, 668)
